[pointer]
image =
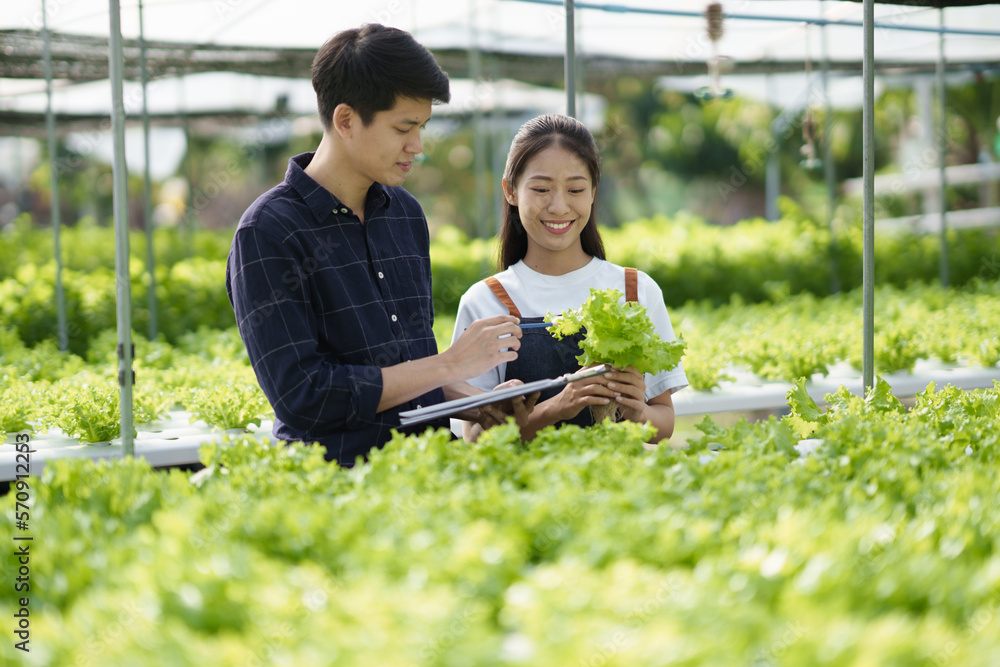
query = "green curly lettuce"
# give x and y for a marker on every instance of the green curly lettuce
(618, 333)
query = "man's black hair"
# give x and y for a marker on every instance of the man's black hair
(369, 67)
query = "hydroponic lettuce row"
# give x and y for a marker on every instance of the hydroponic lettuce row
(797, 336)
(802, 335)
(206, 374)
(584, 548)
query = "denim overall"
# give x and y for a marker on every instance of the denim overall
(542, 356)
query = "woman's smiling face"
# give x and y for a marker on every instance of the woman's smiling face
(554, 195)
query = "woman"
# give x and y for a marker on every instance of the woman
(551, 254)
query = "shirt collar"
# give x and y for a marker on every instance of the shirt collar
(321, 201)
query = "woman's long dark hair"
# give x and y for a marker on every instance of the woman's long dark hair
(535, 136)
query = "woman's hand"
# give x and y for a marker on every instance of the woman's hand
(629, 388)
(522, 406)
(576, 396)
(488, 416)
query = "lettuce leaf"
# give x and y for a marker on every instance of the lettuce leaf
(617, 333)
(804, 416)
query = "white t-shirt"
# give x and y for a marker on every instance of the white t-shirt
(535, 294)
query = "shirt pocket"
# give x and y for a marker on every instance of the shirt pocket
(408, 286)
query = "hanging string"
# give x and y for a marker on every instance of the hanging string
(714, 18)
(809, 125)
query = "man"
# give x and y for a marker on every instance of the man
(329, 272)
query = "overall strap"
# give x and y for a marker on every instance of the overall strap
(501, 293)
(631, 284)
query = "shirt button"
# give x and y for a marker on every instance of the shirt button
(343, 210)
(381, 275)
(393, 318)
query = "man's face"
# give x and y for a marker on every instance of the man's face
(384, 150)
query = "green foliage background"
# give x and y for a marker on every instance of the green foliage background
(692, 261)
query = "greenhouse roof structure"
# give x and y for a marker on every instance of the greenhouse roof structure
(519, 40)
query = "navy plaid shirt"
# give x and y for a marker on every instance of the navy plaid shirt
(323, 302)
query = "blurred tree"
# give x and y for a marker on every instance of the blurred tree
(977, 107)
(85, 188)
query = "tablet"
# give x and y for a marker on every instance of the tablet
(448, 408)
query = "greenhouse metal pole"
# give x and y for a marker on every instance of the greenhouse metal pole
(772, 170)
(147, 183)
(942, 153)
(120, 191)
(189, 221)
(497, 156)
(570, 60)
(481, 227)
(868, 237)
(829, 171)
(56, 216)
